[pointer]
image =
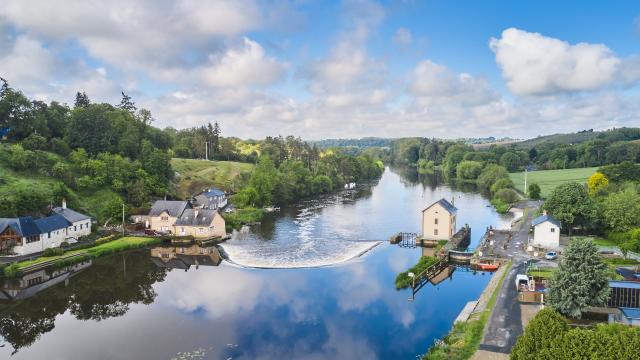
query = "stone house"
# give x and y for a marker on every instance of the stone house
(439, 220)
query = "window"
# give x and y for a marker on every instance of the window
(75, 227)
(33, 238)
(201, 230)
(553, 229)
(436, 221)
(435, 232)
(164, 218)
(34, 281)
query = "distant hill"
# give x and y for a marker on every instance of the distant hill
(619, 134)
(365, 142)
(192, 176)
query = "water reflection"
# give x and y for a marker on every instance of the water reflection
(183, 257)
(107, 290)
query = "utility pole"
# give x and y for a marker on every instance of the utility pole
(525, 181)
(206, 150)
(122, 219)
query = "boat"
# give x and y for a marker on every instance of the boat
(488, 267)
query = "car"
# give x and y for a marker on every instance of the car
(150, 232)
(551, 255)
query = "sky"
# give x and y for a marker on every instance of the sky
(337, 69)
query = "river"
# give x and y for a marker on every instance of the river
(313, 281)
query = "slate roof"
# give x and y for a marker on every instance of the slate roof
(173, 208)
(213, 192)
(52, 223)
(71, 215)
(445, 204)
(189, 218)
(540, 219)
(24, 226)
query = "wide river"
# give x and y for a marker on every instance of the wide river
(315, 281)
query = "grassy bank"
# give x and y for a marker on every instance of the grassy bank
(403, 280)
(79, 255)
(464, 338)
(195, 175)
(240, 217)
(549, 179)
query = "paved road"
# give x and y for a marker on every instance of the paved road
(505, 322)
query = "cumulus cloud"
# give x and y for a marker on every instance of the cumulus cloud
(403, 37)
(533, 64)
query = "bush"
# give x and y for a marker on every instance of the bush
(53, 252)
(504, 183)
(508, 196)
(12, 271)
(534, 191)
(539, 335)
(34, 142)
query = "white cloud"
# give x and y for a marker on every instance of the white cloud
(403, 37)
(533, 64)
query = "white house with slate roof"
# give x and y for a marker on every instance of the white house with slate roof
(26, 235)
(546, 232)
(439, 220)
(211, 199)
(79, 224)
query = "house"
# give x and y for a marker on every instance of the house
(546, 232)
(439, 220)
(164, 214)
(624, 294)
(627, 316)
(211, 199)
(26, 235)
(30, 284)
(200, 223)
(79, 224)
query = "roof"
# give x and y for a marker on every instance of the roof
(544, 218)
(213, 192)
(624, 284)
(173, 208)
(204, 217)
(52, 223)
(24, 226)
(71, 215)
(630, 313)
(445, 204)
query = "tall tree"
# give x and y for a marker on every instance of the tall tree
(581, 280)
(82, 100)
(570, 203)
(215, 140)
(127, 104)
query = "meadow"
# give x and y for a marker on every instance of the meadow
(195, 175)
(549, 179)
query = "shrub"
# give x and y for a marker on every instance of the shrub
(504, 183)
(53, 252)
(539, 334)
(508, 196)
(534, 191)
(34, 142)
(12, 271)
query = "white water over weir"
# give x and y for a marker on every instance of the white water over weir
(300, 241)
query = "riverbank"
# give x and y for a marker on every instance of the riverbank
(75, 256)
(464, 338)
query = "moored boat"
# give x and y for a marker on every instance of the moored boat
(488, 267)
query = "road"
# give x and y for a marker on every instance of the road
(505, 322)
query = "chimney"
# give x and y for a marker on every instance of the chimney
(195, 214)
(64, 203)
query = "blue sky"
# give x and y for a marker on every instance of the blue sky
(337, 68)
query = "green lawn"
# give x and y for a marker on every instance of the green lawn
(128, 242)
(597, 240)
(549, 179)
(195, 175)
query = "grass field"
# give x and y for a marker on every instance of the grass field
(549, 179)
(195, 175)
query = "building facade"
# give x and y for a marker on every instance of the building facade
(546, 232)
(200, 223)
(439, 220)
(164, 214)
(211, 199)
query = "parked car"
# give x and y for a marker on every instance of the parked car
(551, 255)
(150, 232)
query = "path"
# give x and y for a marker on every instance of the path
(505, 323)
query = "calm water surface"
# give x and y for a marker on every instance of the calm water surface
(134, 306)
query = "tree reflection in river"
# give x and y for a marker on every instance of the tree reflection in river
(106, 291)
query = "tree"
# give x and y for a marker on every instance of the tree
(571, 204)
(510, 161)
(533, 154)
(596, 182)
(490, 174)
(581, 280)
(82, 100)
(503, 183)
(539, 335)
(468, 170)
(215, 140)
(621, 210)
(508, 196)
(534, 191)
(127, 104)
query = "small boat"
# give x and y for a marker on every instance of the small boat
(488, 267)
